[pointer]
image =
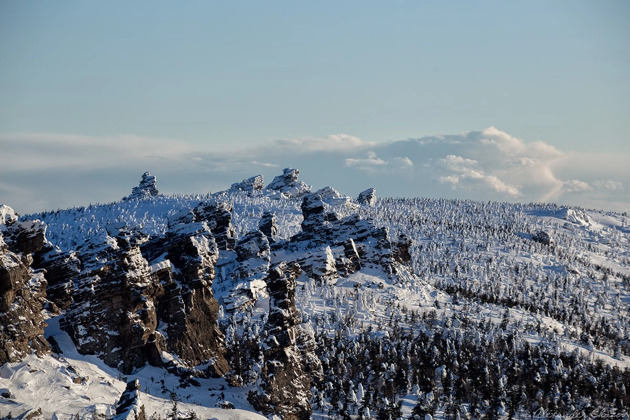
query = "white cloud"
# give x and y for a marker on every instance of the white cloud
(608, 185)
(575, 185)
(470, 175)
(43, 151)
(44, 171)
(373, 163)
(331, 143)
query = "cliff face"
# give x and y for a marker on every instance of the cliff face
(287, 378)
(118, 290)
(22, 290)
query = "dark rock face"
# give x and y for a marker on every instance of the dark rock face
(218, 216)
(22, 290)
(146, 189)
(287, 185)
(542, 237)
(367, 197)
(268, 226)
(129, 407)
(288, 368)
(250, 185)
(60, 268)
(126, 286)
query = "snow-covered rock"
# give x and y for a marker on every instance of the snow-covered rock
(130, 407)
(22, 290)
(367, 197)
(146, 189)
(250, 185)
(287, 185)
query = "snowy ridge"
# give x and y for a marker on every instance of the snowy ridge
(457, 311)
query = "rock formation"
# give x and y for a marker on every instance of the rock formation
(132, 284)
(250, 185)
(367, 197)
(22, 290)
(146, 189)
(287, 185)
(542, 237)
(130, 407)
(218, 216)
(286, 384)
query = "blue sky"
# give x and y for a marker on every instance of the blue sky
(178, 88)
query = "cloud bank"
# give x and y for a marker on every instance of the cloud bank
(45, 171)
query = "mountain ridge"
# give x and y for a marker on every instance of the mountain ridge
(366, 271)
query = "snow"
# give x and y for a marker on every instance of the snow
(48, 383)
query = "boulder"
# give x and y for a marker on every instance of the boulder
(367, 197)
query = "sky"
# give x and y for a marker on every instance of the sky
(522, 101)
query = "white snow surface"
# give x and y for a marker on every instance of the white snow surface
(50, 383)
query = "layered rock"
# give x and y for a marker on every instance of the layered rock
(287, 185)
(22, 290)
(354, 243)
(268, 226)
(245, 274)
(218, 216)
(250, 185)
(146, 189)
(367, 197)
(126, 286)
(290, 364)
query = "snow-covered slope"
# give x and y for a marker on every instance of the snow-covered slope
(413, 306)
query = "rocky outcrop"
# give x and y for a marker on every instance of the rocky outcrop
(218, 216)
(146, 189)
(542, 237)
(354, 243)
(287, 371)
(268, 226)
(367, 197)
(250, 185)
(61, 268)
(248, 271)
(22, 290)
(130, 407)
(128, 285)
(287, 185)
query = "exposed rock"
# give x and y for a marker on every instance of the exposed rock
(268, 226)
(367, 197)
(542, 237)
(61, 268)
(321, 266)
(249, 185)
(248, 272)
(218, 216)
(287, 185)
(130, 407)
(22, 290)
(146, 189)
(131, 284)
(402, 249)
(286, 383)
(354, 242)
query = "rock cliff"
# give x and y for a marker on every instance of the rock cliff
(22, 289)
